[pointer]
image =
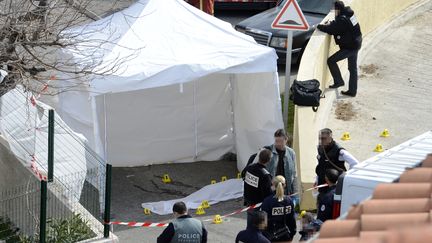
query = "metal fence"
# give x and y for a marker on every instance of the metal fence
(77, 185)
(19, 209)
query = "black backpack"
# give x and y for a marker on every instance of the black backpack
(306, 93)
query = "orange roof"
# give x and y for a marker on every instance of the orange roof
(397, 212)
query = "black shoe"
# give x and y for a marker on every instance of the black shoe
(334, 86)
(348, 93)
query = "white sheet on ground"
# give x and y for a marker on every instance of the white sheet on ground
(219, 192)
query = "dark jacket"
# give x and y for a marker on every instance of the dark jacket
(251, 235)
(325, 204)
(168, 233)
(333, 153)
(251, 160)
(279, 214)
(257, 184)
(345, 29)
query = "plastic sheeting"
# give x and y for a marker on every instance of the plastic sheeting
(222, 191)
(25, 126)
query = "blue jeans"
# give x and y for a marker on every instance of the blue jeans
(352, 68)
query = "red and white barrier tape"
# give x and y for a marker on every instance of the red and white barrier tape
(33, 99)
(138, 224)
(149, 224)
(35, 170)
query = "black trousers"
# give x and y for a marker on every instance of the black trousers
(352, 68)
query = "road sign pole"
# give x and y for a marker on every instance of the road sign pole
(287, 76)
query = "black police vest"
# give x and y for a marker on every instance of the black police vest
(352, 38)
(324, 164)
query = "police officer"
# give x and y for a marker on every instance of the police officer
(184, 229)
(325, 200)
(257, 180)
(347, 34)
(331, 156)
(253, 233)
(280, 210)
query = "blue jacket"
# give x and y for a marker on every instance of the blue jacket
(289, 167)
(325, 204)
(251, 235)
(280, 214)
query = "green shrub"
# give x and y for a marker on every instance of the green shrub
(64, 231)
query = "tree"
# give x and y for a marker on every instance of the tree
(33, 31)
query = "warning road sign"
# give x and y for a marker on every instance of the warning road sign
(290, 18)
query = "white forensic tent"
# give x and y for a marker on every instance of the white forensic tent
(189, 87)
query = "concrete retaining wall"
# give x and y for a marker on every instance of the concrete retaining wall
(371, 14)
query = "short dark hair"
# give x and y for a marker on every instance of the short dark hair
(280, 133)
(326, 131)
(332, 175)
(258, 217)
(179, 207)
(264, 156)
(339, 5)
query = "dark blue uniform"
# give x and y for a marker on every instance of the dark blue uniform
(279, 214)
(257, 184)
(325, 204)
(251, 235)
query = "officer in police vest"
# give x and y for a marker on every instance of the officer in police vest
(257, 180)
(331, 156)
(325, 200)
(347, 35)
(183, 229)
(280, 210)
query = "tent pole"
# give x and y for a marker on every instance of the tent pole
(105, 129)
(195, 119)
(231, 77)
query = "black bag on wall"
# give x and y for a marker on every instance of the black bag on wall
(306, 93)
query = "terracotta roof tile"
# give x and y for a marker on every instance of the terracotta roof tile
(417, 175)
(402, 190)
(389, 206)
(365, 236)
(340, 228)
(397, 213)
(354, 212)
(375, 222)
(342, 240)
(427, 162)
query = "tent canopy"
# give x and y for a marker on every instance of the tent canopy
(159, 43)
(187, 87)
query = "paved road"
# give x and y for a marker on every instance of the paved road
(395, 94)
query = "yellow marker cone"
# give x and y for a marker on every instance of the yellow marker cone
(224, 178)
(166, 179)
(147, 211)
(213, 182)
(239, 175)
(346, 136)
(217, 219)
(302, 214)
(378, 148)
(205, 204)
(200, 211)
(385, 133)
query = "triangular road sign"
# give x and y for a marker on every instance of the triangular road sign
(290, 17)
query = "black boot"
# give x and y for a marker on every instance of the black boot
(348, 93)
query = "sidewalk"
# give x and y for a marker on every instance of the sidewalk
(394, 92)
